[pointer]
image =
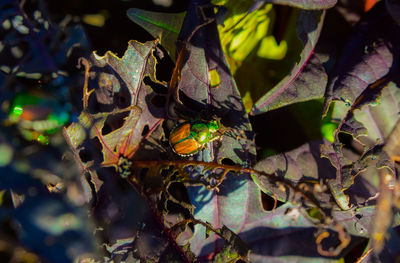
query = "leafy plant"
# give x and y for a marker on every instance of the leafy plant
(122, 194)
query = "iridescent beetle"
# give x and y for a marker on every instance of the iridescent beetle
(188, 138)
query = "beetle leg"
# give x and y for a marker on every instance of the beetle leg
(215, 137)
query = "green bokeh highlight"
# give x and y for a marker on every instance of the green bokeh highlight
(40, 125)
(17, 110)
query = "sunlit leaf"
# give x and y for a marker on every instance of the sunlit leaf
(365, 100)
(124, 76)
(304, 4)
(242, 31)
(307, 79)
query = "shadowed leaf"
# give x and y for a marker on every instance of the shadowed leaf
(393, 8)
(164, 26)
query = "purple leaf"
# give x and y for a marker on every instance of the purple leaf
(358, 221)
(308, 78)
(204, 55)
(367, 58)
(121, 89)
(366, 104)
(306, 164)
(128, 72)
(163, 26)
(238, 206)
(124, 109)
(393, 8)
(203, 59)
(303, 164)
(304, 4)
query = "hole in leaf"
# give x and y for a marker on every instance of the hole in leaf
(95, 107)
(268, 202)
(123, 97)
(166, 172)
(175, 208)
(164, 66)
(114, 122)
(106, 129)
(348, 142)
(91, 151)
(145, 130)
(214, 78)
(156, 87)
(179, 192)
(345, 138)
(84, 155)
(227, 161)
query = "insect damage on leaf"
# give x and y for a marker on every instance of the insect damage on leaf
(124, 76)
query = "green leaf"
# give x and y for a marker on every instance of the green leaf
(243, 31)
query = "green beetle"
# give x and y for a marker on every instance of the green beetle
(188, 138)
